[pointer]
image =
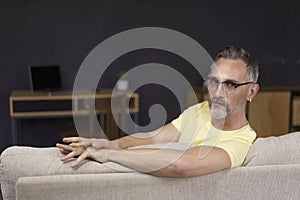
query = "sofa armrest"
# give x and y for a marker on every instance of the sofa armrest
(255, 182)
(16, 162)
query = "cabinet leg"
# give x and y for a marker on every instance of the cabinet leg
(14, 130)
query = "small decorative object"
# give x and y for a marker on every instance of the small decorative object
(122, 84)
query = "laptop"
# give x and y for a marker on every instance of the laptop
(45, 78)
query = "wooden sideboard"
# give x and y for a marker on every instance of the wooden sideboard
(296, 111)
(35, 105)
(274, 110)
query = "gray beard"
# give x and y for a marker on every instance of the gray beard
(216, 111)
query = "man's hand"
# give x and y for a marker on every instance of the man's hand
(83, 148)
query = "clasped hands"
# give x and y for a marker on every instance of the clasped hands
(83, 148)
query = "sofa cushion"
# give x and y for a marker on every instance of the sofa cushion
(275, 150)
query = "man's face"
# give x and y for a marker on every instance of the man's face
(225, 102)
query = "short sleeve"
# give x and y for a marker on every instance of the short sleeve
(180, 121)
(236, 149)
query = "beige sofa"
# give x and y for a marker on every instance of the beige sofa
(271, 171)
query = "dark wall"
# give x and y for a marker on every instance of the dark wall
(64, 32)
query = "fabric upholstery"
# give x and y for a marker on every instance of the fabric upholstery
(283, 149)
(271, 171)
(27, 161)
(247, 183)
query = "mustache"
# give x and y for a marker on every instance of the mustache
(218, 100)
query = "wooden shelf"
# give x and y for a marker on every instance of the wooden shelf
(35, 105)
(27, 103)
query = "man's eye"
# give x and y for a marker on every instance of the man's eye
(230, 85)
(214, 82)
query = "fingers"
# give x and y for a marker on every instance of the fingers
(70, 151)
(63, 151)
(68, 156)
(84, 148)
(64, 147)
(78, 141)
(89, 142)
(79, 160)
(72, 139)
(79, 144)
(73, 154)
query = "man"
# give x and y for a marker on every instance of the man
(217, 129)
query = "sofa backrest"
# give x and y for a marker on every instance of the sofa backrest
(275, 150)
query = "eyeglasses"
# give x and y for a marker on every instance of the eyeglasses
(228, 86)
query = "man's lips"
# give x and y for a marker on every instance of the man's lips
(218, 104)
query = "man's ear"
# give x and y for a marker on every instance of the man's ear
(253, 90)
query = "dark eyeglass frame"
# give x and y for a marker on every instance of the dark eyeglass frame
(231, 84)
(236, 85)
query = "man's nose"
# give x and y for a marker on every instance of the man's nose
(220, 92)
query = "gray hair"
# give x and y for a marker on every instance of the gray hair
(236, 53)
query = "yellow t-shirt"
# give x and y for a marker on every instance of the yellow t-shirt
(195, 127)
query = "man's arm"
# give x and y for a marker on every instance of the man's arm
(199, 160)
(192, 164)
(167, 133)
(171, 163)
(78, 145)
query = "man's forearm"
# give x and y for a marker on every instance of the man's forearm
(172, 163)
(153, 161)
(165, 134)
(134, 140)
